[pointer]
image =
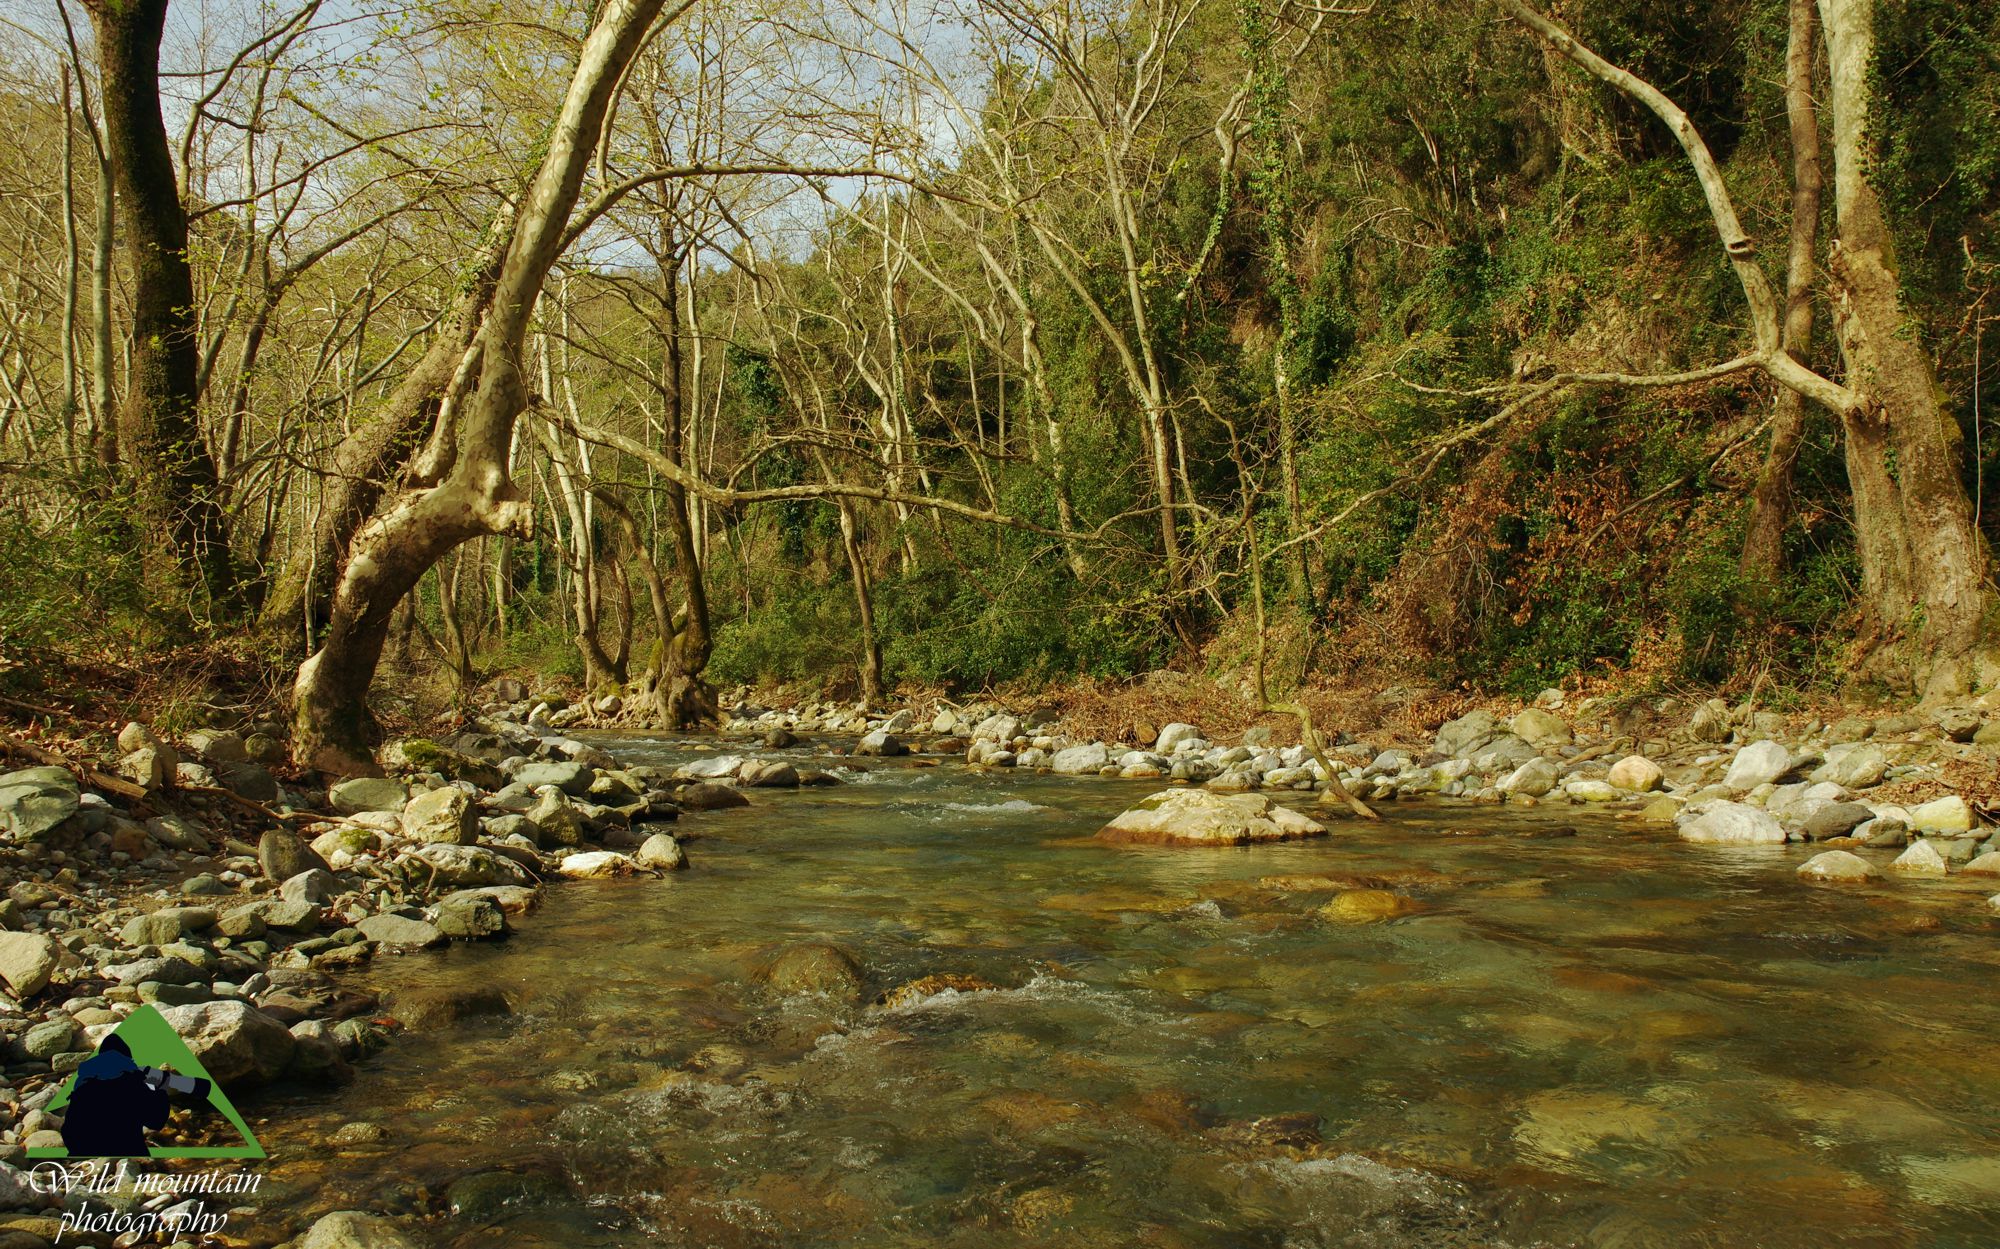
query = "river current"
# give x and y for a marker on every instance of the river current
(1583, 1033)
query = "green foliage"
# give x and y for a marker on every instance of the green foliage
(80, 580)
(803, 632)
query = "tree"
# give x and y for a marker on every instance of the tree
(1927, 598)
(470, 490)
(165, 457)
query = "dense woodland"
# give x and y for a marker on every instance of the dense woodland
(863, 344)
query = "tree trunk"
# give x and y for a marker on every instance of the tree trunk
(864, 603)
(1924, 565)
(298, 606)
(1771, 498)
(474, 494)
(685, 698)
(166, 460)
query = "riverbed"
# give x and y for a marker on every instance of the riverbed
(1584, 1032)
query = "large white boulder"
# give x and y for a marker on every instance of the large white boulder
(1532, 779)
(1732, 824)
(1199, 817)
(1173, 735)
(1757, 764)
(1086, 759)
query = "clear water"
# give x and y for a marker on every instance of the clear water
(1606, 1039)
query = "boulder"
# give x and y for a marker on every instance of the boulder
(1636, 774)
(1199, 817)
(34, 802)
(1853, 765)
(596, 865)
(317, 886)
(249, 780)
(234, 1041)
(1591, 791)
(219, 746)
(1541, 729)
(281, 855)
(175, 833)
(27, 961)
(1732, 824)
(768, 774)
(709, 796)
(352, 1229)
(1987, 864)
(1467, 735)
(1172, 735)
(167, 925)
(999, 727)
(470, 915)
(136, 736)
(1948, 814)
(715, 768)
(401, 932)
(1085, 760)
(1759, 763)
(1366, 906)
(1958, 724)
(815, 967)
(661, 853)
(153, 767)
(1835, 819)
(882, 744)
(1837, 865)
(461, 866)
(442, 815)
(569, 776)
(367, 793)
(1532, 779)
(1921, 859)
(557, 818)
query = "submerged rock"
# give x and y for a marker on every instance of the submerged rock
(815, 967)
(1837, 865)
(1366, 906)
(1197, 817)
(930, 986)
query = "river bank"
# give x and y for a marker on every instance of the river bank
(254, 951)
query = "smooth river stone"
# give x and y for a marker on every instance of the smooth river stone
(1196, 817)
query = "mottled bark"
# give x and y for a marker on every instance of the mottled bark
(474, 493)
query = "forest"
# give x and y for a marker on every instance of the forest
(857, 346)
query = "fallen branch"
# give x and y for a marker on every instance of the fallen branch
(95, 779)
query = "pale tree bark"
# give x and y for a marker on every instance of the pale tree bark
(472, 492)
(1925, 568)
(1926, 593)
(1771, 499)
(365, 461)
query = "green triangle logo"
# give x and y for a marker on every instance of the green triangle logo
(142, 1093)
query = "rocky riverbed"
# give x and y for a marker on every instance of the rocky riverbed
(249, 909)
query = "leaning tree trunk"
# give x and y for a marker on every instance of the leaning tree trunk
(473, 493)
(166, 461)
(298, 606)
(1924, 566)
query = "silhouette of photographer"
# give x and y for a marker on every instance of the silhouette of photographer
(115, 1102)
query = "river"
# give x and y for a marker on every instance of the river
(1585, 1033)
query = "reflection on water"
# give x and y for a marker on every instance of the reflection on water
(1601, 1039)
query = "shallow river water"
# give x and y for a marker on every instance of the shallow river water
(1607, 1039)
